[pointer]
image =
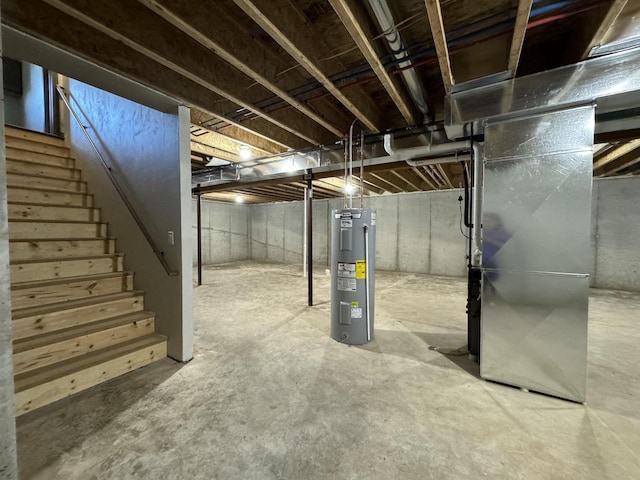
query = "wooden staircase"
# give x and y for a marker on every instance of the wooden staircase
(77, 320)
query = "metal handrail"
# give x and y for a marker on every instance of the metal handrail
(117, 186)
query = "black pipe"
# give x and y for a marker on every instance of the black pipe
(199, 237)
(309, 205)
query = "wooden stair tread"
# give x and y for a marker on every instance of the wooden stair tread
(66, 259)
(74, 365)
(43, 189)
(73, 304)
(22, 132)
(37, 220)
(62, 281)
(40, 204)
(29, 343)
(52, 239)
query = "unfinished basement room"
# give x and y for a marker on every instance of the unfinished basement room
(320, 239)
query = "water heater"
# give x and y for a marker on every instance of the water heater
(353, 248)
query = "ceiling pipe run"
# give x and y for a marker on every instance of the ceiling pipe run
(387, 25)
(438, 150)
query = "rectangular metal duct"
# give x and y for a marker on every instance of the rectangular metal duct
(613, 82)
(535, 227)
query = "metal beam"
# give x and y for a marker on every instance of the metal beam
(607, 22)
(440, 40)
(354, 19)
(517, 40)
(235, 47)
(298, 39)
(42, 21)
(138, 28)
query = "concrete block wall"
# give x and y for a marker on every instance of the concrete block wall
(420, 233)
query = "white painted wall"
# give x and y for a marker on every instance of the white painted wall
(8, 456)
(148, 152)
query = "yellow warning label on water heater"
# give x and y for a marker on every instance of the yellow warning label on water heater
(355, 304)
(361, 269)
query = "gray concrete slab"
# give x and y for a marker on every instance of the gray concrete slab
(448, 245)
(414, 233)
(386, 231)
(618, 243)
(275, 232)
(270, 395)
(258, 232)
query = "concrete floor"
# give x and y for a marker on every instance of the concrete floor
(270, 395)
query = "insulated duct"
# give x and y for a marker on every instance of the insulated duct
(387, 25)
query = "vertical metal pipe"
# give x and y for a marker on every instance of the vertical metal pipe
(199, 214)
(367, 280)
(476, 233)
(305, 235)
(310, 239)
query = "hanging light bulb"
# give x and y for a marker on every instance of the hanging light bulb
(245, 152)
(239, 199)
(349, 189)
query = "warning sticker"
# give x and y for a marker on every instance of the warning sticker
(346, 270)
(361, 269)
(356, 313)
(373, 218)
(346, 223)
(347, 284)
(355, 304)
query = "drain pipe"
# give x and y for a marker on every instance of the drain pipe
(387, 25)
(476, 232)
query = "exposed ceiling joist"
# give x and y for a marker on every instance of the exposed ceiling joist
(440, 40)
(445, 175)
(353, 17)
(226, 144)
(392, 187)
(407, 175)
(629, 159)
(517, 40)
(607, 22)
(235, 134)
(237, 48)
(138, 28)
(43, 21)
(424, 178)
(612, 155)
(296, 37)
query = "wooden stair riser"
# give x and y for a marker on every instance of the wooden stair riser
(25, 230)
(26, 156)
(36, 395)
(58, 351)
(70, 290)
(37, 146)
(15, 180)
(21, 250)
(57, 320)
(20, 134)
(63, 268)
(20, 211)
(39, 169)
(48, 197)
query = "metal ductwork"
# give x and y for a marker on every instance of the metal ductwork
(387, 25)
